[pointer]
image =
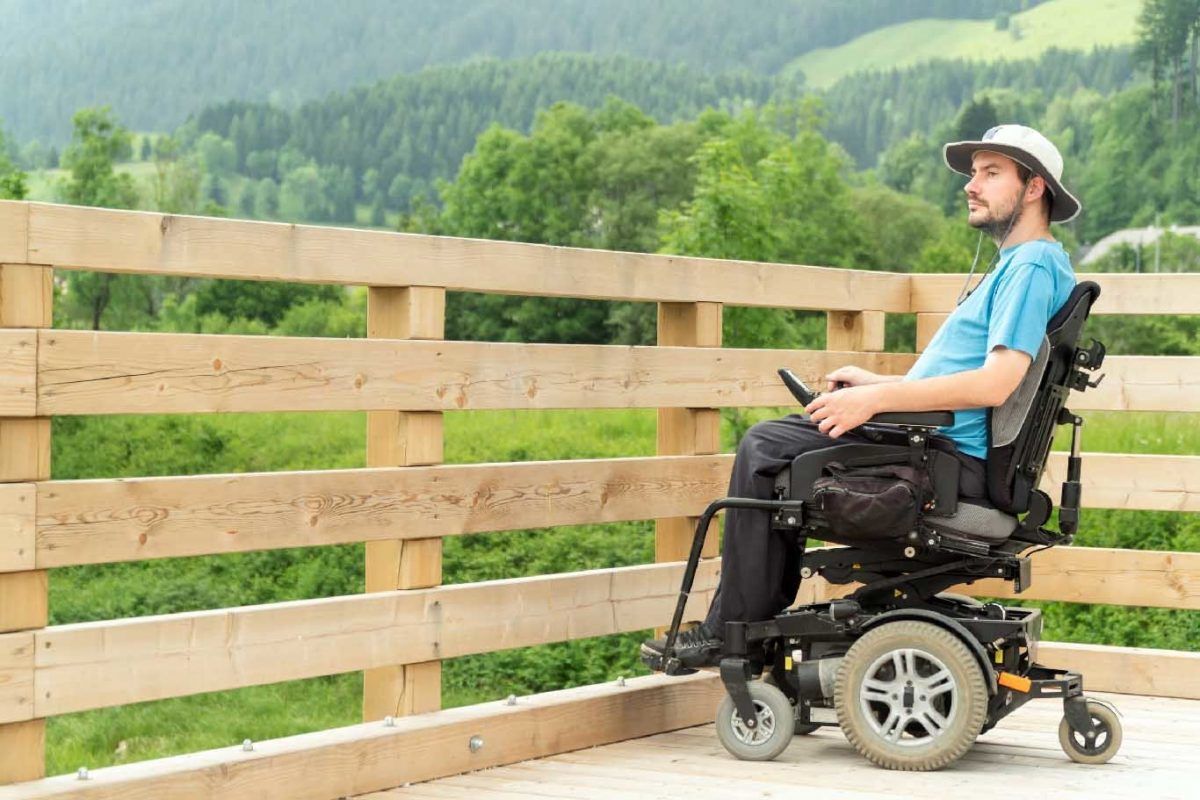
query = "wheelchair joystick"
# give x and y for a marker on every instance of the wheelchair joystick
(797, 387)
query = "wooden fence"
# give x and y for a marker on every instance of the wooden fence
(402, 505)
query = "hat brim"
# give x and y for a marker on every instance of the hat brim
(958, 157)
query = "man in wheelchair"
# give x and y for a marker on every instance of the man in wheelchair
(923, 499)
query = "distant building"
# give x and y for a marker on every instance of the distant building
(1134, 237)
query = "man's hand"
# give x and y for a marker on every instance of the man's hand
(851, 376)
(843, 410)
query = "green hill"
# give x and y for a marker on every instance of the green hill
(1062, 24)
(156, 61)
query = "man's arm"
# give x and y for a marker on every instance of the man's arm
(990, 385)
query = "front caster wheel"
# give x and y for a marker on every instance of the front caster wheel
(802, 728)
(911, 696)
(773, 732)
(1101, 747)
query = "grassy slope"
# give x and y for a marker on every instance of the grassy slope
(1066, 24)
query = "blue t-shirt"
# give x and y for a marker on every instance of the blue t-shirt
(1011, 308)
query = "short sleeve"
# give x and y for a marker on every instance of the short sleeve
(1021, 308)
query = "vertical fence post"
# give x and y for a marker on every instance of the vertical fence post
(860, 331)
(404, 438)
(26, 296)
(686, 431)
(927, 326)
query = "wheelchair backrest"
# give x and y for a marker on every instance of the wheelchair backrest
(1022, 429)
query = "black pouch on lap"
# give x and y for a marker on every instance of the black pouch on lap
(871, 502)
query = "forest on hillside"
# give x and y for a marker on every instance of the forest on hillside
(157, 61)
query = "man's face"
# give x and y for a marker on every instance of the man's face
(994, 193)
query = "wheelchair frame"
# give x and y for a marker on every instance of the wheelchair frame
(1003, 640)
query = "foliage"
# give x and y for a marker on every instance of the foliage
(873, 111)
(158, 61)
(12, 179)
(98, 142)
(1168, 32)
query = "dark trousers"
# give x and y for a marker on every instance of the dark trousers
(760, 569)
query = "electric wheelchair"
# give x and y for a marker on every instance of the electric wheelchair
(913, 674)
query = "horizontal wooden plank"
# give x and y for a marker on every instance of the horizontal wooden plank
(18, 372)
(1161, 293)
(1128, 670)
(17, 527)
(96, 521)
(14, 223)
(85, 372)
(1136, 481)
(130, 241)
(1144, 383)
(16, 676)
(98, 664)
(1106, 575)
(370, 757)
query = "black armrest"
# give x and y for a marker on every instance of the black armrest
(917, 419)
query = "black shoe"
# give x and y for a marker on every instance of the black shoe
(699, 647)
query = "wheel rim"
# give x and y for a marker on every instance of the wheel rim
(1099, 742)
(757, 735)
(909, 697)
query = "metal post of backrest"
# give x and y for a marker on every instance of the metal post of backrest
(25, 305)
(686, 431)
(404, 438)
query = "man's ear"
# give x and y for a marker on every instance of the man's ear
(1036, 188)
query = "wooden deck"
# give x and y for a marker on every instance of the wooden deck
(1020, 758)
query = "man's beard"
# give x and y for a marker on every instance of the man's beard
(999, 227)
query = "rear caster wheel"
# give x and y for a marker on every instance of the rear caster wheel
(772, 734)
(1102, 746)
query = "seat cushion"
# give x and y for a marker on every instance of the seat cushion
(976, 521)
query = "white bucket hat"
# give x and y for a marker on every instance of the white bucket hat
(1027, 147)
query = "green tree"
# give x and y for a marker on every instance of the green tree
(98, 142)
(763, 195)
(12, 179)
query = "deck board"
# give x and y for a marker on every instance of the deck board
(1157, 759)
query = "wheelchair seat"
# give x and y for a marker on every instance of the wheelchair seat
(1021, 432)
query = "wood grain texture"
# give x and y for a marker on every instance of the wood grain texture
(14, 225)
(17, 526)
(1138, 481)
(687, 431)
(400, 439)
(131, 241)
(84, 372)
(855, 330)
(363, 758)
(96, 521)
(1176, 293)
(16, 676)
(18, 372)
(1131, 670)
(26, 295)
(26, 300)
(1143, 383)
(98, 664)
(927, 328)
(1106, 575)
